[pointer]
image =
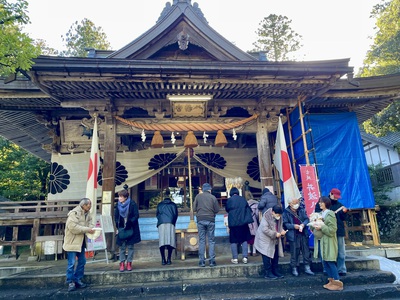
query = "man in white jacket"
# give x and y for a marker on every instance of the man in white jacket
(79, 222)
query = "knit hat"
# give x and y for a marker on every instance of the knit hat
(206, 187)
(265, 190)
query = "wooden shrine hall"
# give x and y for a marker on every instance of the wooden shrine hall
(178, 78)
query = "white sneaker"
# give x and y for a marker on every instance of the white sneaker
(244, 260)
(234, 261)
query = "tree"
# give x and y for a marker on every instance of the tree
(385, 121)
(16, 48)
(23, 176)
(384, 58)
(276, 37)
(45, 49)
(83, 36)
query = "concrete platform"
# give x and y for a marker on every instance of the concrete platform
(20, 279)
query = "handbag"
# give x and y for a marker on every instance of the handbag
(125, 234)
(248, 218)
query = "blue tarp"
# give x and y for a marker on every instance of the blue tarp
(339, 157)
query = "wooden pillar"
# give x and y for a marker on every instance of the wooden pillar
(264, 154)
(367, 228)
(109, 162)
(14, 239)
(34, 234)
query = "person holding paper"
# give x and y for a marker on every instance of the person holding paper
(78, 223)
(295, 220)
(269, 241)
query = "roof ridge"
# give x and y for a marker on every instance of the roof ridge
(182, 4)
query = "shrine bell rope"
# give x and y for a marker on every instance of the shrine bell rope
(187, 126)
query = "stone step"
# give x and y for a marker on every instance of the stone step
(358, 285)
(147, 272)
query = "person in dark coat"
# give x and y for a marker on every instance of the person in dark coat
(167, 214)
(239, 216)
(295, 220)
(126, 219)
(268, 200)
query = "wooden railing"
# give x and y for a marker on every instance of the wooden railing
(47, 215)
(389, 175)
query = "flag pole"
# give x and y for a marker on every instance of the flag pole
(93, 169)
(283, 165)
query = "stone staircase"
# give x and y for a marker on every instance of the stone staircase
(185, 280)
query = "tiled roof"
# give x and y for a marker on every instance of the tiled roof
(391, 139)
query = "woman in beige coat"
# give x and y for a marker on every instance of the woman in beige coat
(268, 241)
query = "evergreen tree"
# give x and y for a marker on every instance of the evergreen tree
(277, 38)
(83, 36)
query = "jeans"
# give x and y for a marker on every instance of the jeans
(234, 249)
(341, 265)
(206, 228)
(320, 256)
(122, 250)
(77, 274)
(331, 269)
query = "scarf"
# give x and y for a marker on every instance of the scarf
(124, 208)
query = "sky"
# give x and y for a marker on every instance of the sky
(329, 29)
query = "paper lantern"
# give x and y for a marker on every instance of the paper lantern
(190, 140)
(220, 139)
(157, 141)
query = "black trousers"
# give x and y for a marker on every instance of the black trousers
(300, 245)
(271, 264)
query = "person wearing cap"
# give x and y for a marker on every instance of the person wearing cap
(268, 200)
(340, 211)
(206, 207)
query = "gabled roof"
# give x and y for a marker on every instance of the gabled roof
(182, 20)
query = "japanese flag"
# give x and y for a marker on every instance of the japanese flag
(91, 186)
(282, 164)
